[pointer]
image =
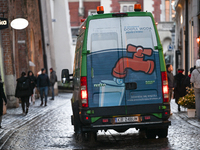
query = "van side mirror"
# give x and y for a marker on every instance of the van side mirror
(65, 75)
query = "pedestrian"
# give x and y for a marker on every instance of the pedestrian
(180, 88)
(2, 97)
(42, 84)
(171, 81)
(23, 91)
(33, 80)
(53, 80)
(195, 78)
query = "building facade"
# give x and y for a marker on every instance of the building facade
(162, 10)
(187, 32)
(57, 35)
(21, 50)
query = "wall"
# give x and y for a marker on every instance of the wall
(20, 46)
(62, 38)
(148, 5)
(106, 4)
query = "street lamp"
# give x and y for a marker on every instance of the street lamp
(19, 23)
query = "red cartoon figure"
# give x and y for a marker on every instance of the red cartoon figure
(137, 63)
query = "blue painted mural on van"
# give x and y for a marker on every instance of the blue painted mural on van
(114, 93)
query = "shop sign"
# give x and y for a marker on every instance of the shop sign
(3, 23)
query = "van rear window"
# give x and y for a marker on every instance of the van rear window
(113, 33)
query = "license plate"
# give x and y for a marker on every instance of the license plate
(127, 119)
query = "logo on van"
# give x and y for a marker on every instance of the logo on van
(137, 63)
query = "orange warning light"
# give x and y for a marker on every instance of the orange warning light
(137, 7)
(100, 9)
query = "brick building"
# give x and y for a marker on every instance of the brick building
(20, 47)
(79, 9)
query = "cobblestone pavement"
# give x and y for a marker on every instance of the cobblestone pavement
(50, 128)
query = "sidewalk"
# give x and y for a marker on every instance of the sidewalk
(183, 114)
(14, 119)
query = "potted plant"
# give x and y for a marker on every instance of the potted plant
(188, 101)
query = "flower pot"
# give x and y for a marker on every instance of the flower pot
(191, 113)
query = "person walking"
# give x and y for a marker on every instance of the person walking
(33, 80)
(42, 84)
(170, 78)
(23, 91)
(180, 88)
(2, 98)
(195, 78)
(53, 79)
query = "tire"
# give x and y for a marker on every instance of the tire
(151, 133)
(76, 119)
(162, 133)
(92, 136)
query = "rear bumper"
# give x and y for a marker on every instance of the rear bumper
(141, 125)
(93, 120)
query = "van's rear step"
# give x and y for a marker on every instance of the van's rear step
(146, 125)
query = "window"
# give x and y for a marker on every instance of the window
(74, 32)
(127, 6)
(130, 8)
(124, 8)
(92, 12)
(169, 10)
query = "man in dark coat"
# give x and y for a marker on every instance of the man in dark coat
(180, 89)
(2, 97)
(42, 84)
(170, 78)
(52, 81)
(23, 91)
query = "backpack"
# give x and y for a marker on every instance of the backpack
(24, 85)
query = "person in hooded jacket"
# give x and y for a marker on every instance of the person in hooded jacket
(23, 91)
(180, 88)
(43, 83)
(2, 98)
(195, 78)
(52, 81)
(33, 80)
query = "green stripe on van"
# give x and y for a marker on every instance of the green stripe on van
(94, 119)
(159, 115)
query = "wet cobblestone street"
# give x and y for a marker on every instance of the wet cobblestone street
(50, 128)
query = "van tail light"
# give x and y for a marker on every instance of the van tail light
(84, 92)
(165, 89)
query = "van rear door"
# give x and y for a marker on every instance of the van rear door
(105, 45)
(141, 62)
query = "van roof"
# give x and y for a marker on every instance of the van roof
(129, 14)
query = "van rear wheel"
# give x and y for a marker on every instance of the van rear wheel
(92, 136)
(89, 136)
(76, 119)
(162, 133)
(151, 133)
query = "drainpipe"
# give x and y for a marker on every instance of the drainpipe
(43, 41)
(81, 8)
(186, 38)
